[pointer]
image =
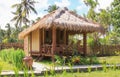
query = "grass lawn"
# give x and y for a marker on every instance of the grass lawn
(110, 73)
(110, 59)
(6, 66)
(46, 62)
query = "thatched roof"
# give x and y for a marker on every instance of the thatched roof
(64, 19)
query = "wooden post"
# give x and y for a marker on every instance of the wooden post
(26, 45)
(53, 42)
(43, 36)
(85, 43)
(40, 42)
(65, 36)
(30, 43)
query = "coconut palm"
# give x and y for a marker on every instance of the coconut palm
(91, 3)
(23, 10)
(104, 18)
(93, 16)
(91, 13)
(8, 31)
(52, 8)
(2, 34)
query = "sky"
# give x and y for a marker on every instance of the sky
(41, 5)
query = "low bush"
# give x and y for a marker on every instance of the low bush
(76, 60)
(13, 56)
(59, 60)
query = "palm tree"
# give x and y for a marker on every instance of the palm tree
(8, 31)
(2, 34)
(91, 3)
(52, 8)
(91, 13)
(23, 10)
(93, 16)
(18, 16)
(104, 18)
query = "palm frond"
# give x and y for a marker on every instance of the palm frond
(15, 5)
(14, 18)
(24, 13)
(14, 13)
(33, 9)
(33, 2)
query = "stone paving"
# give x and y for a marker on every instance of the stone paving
(39, 67)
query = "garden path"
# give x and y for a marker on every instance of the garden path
(39, 69)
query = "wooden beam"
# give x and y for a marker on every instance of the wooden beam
(85, 43)
(53, 42)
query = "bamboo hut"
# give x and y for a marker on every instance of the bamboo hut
(45, 37)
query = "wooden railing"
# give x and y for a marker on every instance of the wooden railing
(104, 50)
(60, 50)
(11, 45)
(47, 50)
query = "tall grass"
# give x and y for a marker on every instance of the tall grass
(0, 68)
(13, 56)
(26, 72)
(16, 71)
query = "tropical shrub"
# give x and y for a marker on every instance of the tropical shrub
(94, 60)
(75, 60)
(89, 60)
(59, 60)
(90, 42)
